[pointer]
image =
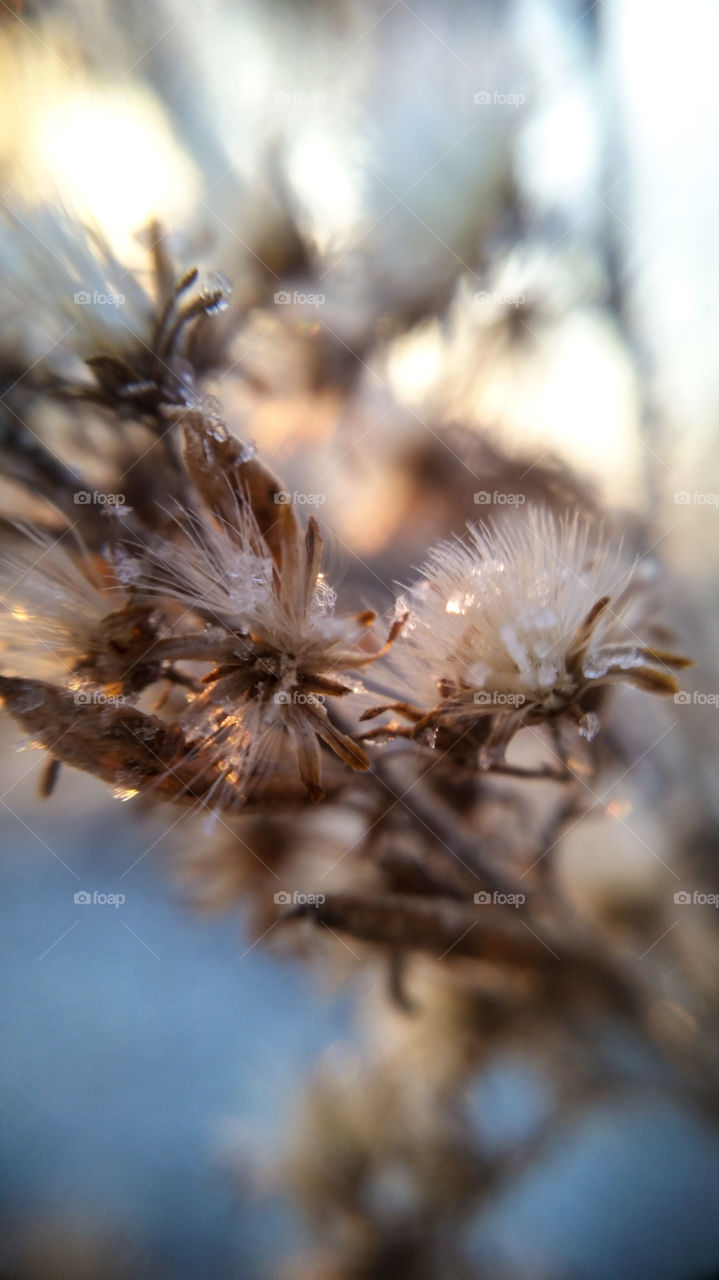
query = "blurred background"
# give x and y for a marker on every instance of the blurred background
(472, 248)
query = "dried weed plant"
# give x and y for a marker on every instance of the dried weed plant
(389, 793)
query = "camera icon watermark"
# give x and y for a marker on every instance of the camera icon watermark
(285, 499)
(284, 299)
(501, 299)
(97, 899)
(483, 898)
(83, 298)
(286, 98)
(494, 698)
(696, 699)
(687, 898)
(485, 499)
(283, 898)
(684, 498)
(85, 498)
(493, 98)
(296, 698)
(96, 697)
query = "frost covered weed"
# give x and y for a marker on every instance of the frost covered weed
(510, 627)
(190, 645)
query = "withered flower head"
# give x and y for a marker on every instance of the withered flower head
(50, 607)
(519, 623)
(73, 301)
(278, 648)
(62, 618)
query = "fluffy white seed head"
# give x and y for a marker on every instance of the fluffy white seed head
(66, 293)
(51, 604)
(501, 612)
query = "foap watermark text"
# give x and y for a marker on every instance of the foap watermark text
(494, 98)
(97, 899)
(284, 898)
(493, 698)
(292, 98)
(501, 299)
(83, 298)
(85, 498)
(696, 699)
(283, 298)
(296, 698)
(483, 898)
(89, 697)
(695, 898)
(286, 499)
(683, 498)
(485, 499)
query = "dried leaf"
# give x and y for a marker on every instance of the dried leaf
(228, 478)
(119, 744)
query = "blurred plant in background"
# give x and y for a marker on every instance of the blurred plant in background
(292, 297)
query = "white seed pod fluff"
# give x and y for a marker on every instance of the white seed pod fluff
(52, 603)
(66, 296)
(520, 621)
(224, 574)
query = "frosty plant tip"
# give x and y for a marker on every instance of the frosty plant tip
(520, 625)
